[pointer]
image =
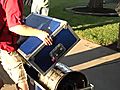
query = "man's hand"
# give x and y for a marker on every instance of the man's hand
(45, 37)
(29, 31)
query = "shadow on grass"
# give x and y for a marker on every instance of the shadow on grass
(95, 25)
(113, 46)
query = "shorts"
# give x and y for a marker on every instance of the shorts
(40, 7)
(13, 65)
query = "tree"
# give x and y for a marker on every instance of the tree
(95, 4)
(95, 7)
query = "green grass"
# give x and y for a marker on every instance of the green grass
(103, 35)
(101, 30)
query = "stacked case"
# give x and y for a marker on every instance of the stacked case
(42, 57)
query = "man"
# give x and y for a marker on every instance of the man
(117, 9)
(11, 26)
(40, 7)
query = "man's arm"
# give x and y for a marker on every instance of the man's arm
(29, 31)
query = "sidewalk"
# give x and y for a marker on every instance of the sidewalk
(82, 56)
(86, 54)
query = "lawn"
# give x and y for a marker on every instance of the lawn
(102, 30)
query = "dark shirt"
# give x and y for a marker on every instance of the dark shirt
(10, 15)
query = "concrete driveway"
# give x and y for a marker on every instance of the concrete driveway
(82, 57)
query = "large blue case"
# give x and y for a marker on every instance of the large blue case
(42, 57)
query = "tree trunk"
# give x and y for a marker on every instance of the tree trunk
(112, 1)
(95, 4)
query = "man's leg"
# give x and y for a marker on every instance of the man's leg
(12, 63)
(118, 43)
(22, 86)
(117, 8)
(40, 7)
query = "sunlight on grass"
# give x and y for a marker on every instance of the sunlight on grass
(103, 35)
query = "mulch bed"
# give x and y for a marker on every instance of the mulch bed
(93, 11)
